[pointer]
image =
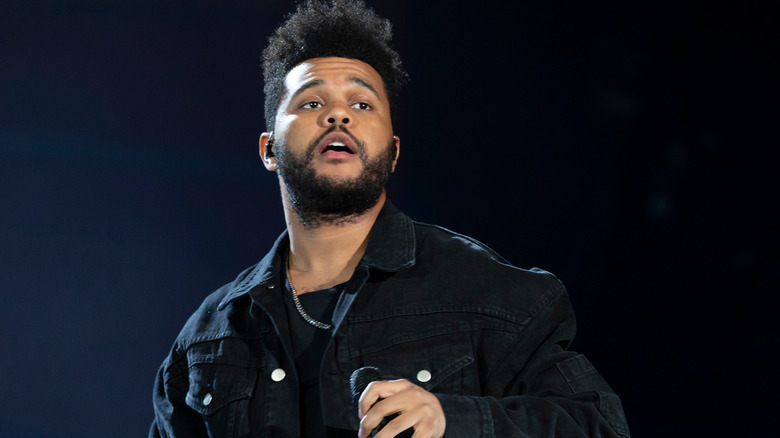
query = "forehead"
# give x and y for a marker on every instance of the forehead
(331, 71)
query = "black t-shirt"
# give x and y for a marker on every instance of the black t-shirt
(308, 345)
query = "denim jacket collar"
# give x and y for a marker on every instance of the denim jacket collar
(391, 248)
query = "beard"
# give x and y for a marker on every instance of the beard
(320, 200)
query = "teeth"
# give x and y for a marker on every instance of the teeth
(337, 143)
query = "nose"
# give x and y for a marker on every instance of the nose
(337, 114)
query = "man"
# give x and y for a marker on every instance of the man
(467, 344)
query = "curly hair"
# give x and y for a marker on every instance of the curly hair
(340, 28)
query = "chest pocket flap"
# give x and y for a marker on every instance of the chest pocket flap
(437, 363)
(215, 385)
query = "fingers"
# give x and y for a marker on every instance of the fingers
(380, 389)
(415, 407)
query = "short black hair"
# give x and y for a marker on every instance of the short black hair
(340, 28)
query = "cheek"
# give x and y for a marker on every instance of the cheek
(286, 128)
(378, 126)
(283, 122)
(381, 133)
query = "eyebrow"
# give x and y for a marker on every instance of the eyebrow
(362, 83)
(312, 84)
(353, 79)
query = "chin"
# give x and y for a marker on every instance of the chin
(339, 173)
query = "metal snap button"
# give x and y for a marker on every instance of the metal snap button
(424, 376)
(278, 375)
(207, 399)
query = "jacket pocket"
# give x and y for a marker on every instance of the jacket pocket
(438, 363)
(221, 393)
(214, 386)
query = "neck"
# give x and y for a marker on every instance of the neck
(327, 255)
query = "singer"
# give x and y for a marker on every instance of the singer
(467, 344)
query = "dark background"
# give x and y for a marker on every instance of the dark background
(628, 147)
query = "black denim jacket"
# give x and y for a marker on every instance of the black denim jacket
(425, 304)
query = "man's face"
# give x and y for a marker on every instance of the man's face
(333, 138)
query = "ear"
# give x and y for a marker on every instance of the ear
(266, 150)
(397, 142)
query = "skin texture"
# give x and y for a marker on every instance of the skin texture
(320, 93)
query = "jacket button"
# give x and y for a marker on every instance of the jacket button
(424, 376)
(207, 399)
(278, 375)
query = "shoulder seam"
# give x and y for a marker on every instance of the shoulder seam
(490, 250)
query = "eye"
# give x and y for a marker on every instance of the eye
(311, 105)
(362, 106)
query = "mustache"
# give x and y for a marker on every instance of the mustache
(313, 145)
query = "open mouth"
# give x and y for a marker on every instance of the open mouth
(337, 143)
(337, 146)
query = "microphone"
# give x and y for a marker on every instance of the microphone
(358, 382)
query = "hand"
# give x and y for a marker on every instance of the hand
(416, 407)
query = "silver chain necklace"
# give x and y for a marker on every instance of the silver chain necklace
(299, 306)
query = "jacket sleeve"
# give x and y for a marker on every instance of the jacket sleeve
(539, 389)
(172, 416)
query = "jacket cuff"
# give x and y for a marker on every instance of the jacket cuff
(467, 417)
